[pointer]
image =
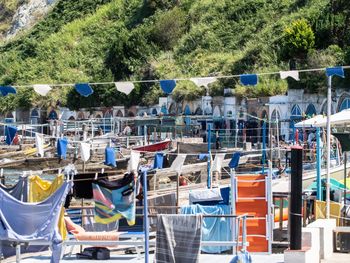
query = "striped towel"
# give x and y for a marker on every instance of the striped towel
(178, 238)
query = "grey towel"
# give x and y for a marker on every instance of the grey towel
(178, 238)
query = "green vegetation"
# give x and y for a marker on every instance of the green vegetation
(111, 40)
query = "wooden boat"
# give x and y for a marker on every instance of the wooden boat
(154, 147)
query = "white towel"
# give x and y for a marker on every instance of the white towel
(134, 161)
(203, 81)
(42, 89)
(217, 163)
(292, 73)
(39, 142)
(85, 151)
(125, 87)
(178, 163)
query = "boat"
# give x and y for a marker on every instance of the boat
(154, 147)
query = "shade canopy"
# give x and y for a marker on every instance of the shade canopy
(312, 122)
(340, 118)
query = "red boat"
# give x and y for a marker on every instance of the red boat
(155, 147)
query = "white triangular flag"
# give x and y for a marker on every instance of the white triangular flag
(178, 163)
(85, 151)
(39, 143)
(203, 81)
(292, 73)
(42, 89)
(217, 163)
(134, 161)
(125, 87)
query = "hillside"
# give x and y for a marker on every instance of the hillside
(111, 40)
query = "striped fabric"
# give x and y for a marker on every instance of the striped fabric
(178, 238)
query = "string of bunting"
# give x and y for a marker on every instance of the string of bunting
(168, 85)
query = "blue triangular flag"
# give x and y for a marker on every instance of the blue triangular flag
(5, 90)
(249, 79)
(168, 85)
(84, 89)
(62, 148)
(10, 133)
(202, 156)
(110, 157)
(158, 161)
(338, 71)
(187, 110)
(235, 160)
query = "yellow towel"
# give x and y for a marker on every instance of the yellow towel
(40, 189)
(335, 210)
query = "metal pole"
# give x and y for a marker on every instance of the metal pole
(296, 197)
(345, 161)
(209, 153)
(18, 253)
(318, 164)
(145, 217)
(264, 147)
(278, 140)
(329, 102)
(233, 205)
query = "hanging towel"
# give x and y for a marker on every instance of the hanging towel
(134, 161)
(178, 238)
(41, 89)
(213, 228)
(5, 90)
(158, 161)
(23, 222)
(18, 191)
(39, 143)
(203, 81)
(217, 163)
(292, 73)
(125, 87)
(168, 85)
(83, 184)
(62, 148)
(115, 199)
(110, 157)
(84, 89)
(85, 151)
(338, 71)
(335, 210)
(161, 204)
(10, 133)
(178, 163)
(249, 79)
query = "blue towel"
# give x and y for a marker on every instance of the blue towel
(202, 156)
(338, 71)
(249, 79)
(110, 157)
(158, 161)
(235, 160)
(213, 228)
(10, 133)
(84, 89)
(242, 257)
(168, 85)
(62, 148)
(5, 90)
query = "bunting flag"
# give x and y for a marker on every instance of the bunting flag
(168, 85)
(292, 73)
(177, 164)
(85, 151)
(217, 163)
(248, 79)
(10, 133)
(39, 144)
(134, 161)
(235, 160)
(6, 90)
(110, 157)
(42, 89)
(125, 87)
(158, 161)
(338, 71)
(203, 81)
(62, 148)
(84, 89)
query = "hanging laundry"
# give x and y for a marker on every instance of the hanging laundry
(23, 222)
(168, 85)
(85, 151)
(110, 157)
(41, 89)
(115, 199)
(235, 160)
(338, 71)
(82, 187)
(249, 79)
(62, 148)
(5, 90)
(18, 191)
(217, 163)
(134, 161)
(40, 189)
(158, 161)
(10, 133)
(39, 143)
(213, 228)
(125, 87)
(84, 89)
(178, 238)
(203, 81)
(292, 73)
(178, 163)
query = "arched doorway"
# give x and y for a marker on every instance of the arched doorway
(310, 111)
(295, 116)
(34, 116)
(252, 128)
(345, 104)
(53, 115)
